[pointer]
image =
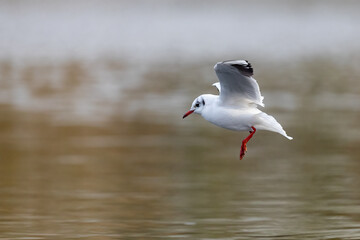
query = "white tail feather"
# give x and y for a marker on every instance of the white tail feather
(267, 122)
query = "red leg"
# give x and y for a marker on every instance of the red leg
(243, 145)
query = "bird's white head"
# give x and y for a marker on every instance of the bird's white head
(199, 104)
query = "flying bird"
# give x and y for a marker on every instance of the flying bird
(236, 106)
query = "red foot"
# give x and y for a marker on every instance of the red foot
(243, 149)
(243, 145)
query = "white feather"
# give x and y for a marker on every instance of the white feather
(236, 88)
(217, 85)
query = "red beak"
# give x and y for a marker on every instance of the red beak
(188, 113)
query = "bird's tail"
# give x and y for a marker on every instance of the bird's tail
(267, 122)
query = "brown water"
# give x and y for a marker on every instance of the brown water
(99, 151)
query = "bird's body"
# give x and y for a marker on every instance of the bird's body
(229, 117)
(238, 118)
(236, 106)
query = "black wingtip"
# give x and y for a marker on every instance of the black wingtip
(246, 70)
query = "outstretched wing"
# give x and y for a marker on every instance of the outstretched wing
(237, 84)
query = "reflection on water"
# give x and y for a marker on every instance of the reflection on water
(99, 151)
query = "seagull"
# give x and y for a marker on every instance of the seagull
(236, 106)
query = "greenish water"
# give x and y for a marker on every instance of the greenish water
(100, 151)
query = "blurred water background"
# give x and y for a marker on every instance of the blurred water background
(92, 140)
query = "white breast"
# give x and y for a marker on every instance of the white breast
(238, 119)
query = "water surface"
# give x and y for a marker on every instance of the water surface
(128, 167)
(92, 140)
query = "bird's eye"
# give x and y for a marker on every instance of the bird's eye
(197, 105)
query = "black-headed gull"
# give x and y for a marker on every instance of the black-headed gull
(236, 106)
